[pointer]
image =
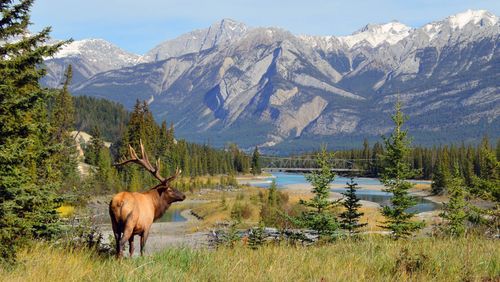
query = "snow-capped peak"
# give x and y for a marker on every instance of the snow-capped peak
(376, 34)
(475, 16)
(95, 48)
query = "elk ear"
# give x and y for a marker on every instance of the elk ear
(161, 190)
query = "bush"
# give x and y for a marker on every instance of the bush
(239, 211)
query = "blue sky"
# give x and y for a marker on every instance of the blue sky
(137, 26)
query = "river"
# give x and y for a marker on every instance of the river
(365, 193)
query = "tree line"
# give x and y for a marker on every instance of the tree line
(478, 165)
(160, 143)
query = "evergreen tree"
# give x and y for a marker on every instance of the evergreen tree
(105, 174)
(62, 122)
(272, 206)
(349, 219)
(488, 164)
(366, 153)
(272, 197)
(468, 167)
(440, 178)
(94, 148)
(27, 200)
(487, 184)
(376, 164)
(319, 216)
(454, 212)
(256, 237)
(394, 176)
(498, 149)
(256, 168)
(63, 114)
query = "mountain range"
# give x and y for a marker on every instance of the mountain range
(287, 93)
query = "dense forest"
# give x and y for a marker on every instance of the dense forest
(109, 117)
(160, 143)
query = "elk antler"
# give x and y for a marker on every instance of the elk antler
(155, 171)
(171, 178)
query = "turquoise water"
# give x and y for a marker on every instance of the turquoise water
(380, 197)
(283, 179)
(173, 215)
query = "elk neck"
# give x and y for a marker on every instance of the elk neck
(161, 204)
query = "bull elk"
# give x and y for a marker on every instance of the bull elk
(133, 213)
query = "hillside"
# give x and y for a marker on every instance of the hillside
(109, 117)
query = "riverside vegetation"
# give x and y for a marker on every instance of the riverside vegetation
(39, 173)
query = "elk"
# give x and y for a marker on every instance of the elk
(133, 213)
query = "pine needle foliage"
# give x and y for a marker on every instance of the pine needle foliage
(455, 211)
(349, 219)
(396, 171)
(319, 216)
(27, 171)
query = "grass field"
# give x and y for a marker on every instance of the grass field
(371, 259)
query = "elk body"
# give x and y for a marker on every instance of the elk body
(133, 213)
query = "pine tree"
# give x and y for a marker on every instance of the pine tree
(366, 153)
(319, 216)
(62, 122)
(27, 200)
(468, 167)
(377, 152)
(394, 176)
(269, 213)
(256, 237)
(272, 197)
(487, 184)
(63, 117)
(256, 169)
(94, 148)
(440, 178)
(498, 149)
(349, 219)
(454, 212)
(105, 173)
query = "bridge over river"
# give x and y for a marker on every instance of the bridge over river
(308, 164)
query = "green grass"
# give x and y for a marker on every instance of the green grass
(373, 259)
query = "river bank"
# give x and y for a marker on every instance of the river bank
(296, 184)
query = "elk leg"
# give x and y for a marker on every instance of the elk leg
(117, 234)
(131, 246)
(144, 237)
(125, 237)
(117, 243)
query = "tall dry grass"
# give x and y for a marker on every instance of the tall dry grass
(371, 259)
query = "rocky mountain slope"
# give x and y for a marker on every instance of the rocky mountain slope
(268, 87)
(88, 58)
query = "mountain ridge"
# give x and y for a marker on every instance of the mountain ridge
(289, 89)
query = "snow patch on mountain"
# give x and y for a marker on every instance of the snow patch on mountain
(376, 34)
(94, 50)
(475, 16)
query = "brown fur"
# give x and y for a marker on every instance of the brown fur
(133, 214)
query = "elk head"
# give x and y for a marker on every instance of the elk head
(167, 193)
